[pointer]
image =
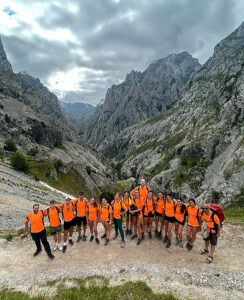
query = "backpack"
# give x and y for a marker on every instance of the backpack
(217, 209)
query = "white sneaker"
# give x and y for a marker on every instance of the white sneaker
(60, 247)
(55, 247)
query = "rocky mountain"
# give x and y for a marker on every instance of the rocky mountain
(196, 148)
(30, 115)
(77, 112)
(139, 97)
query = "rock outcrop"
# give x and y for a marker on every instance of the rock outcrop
(4, 63)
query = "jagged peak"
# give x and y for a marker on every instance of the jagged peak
(4, 63)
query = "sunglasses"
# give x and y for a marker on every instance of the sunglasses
(204, 208)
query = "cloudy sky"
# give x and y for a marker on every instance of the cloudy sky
(79, 48)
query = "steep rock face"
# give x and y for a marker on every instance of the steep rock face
(197, 147)
(139, 97)
(4, 63)
(77, 112)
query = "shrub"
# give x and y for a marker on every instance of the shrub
(32, 152)
(19, 161)
(107, 195)
(10, 146)
(7, 118)
(9, 237)
(58, 164)
(88, 170)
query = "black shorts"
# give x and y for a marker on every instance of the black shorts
(150, 215)
(157, 214)
(212, 238)
(69, 224)
(169, 219)
(181, 223)
(127, 214)
(81, 219)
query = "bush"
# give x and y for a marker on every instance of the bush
(10, 146)
(88, 170)
(19, 161)
(9, 237)
(32, 152)
(107, 195)
(58, 164)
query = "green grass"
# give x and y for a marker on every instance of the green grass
(93, 288)
(161, 166)
(147, 145)
(234, 215)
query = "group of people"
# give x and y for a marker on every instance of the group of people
(139, 208)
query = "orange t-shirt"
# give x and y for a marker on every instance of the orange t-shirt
(210, 223)
(37, 224)
(142, 190)
(92, 212)
(169, 209)
(149, 206)
(192, 216)
(81, 207)
(127, 202)
(105, 212)
(117, 208)
(53, 215)
(178, 215)
(160, 206)
(139, 204)
(67, 211)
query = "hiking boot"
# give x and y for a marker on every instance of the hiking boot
(84, 238)
(150, 235)
(106, 242)
(103, 236)
(133, 237)
(138, 242)
(159, 235)
(64, 248)
(91, 238)
(79, 239)
(190, 247)
(142, 236)
(181, 244)
(51, 256)
(127, 232)
(115, 237)
(168, 243)
(156, 232)
(130, 232)
(97, 241)
(71, 242)
(165, 239)
(176, 242)
(187, 245)
(37, 252)
(122, 244)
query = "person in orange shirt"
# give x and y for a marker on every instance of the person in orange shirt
(136, 209)
(93, 215)
(213, 226)
(80, 205)
(38, 231)
(159, 213)
(180, 216)
(142, 188)
(119, 210)
(148, 214)
(69, 220)
(194, 223)
(127, 201)
(55, 224)
(106, 214)
(169, 219)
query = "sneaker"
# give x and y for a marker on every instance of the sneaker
(79, 238)
(122, 244)
(165, 239)
(181, 244)
(115, 237)
(127, 232)
(176, 242)
(84, 238)
(187, 245)
(97, 241)
(130, 232)
(55, 247)
(160, 235)
(150, 235)
(71, 242)
(37, 252)
(64, 248)
(190, 247)
(168, 243)
(103, 236)
(91, 238)
(156, 232)
(138, 242)
(106, 242)
(142, 236)
(60, 248)
(51, 256)
(133, 237)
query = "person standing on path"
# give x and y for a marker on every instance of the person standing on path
(81, 205)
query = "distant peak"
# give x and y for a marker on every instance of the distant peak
(240, 31)
(4, 63)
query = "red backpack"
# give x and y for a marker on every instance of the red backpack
(218, 210)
